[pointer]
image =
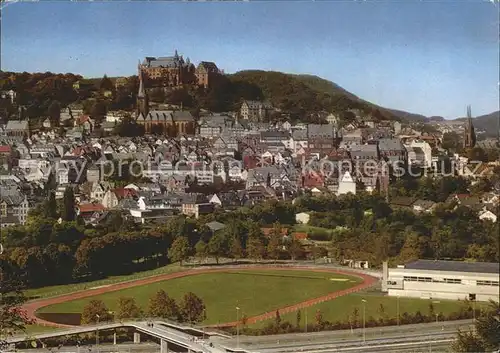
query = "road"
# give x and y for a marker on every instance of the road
(395, 338)
(119, 348)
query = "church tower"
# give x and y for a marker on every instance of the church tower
(469, 134)
(142, 96)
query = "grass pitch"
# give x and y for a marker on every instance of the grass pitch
(255, 292)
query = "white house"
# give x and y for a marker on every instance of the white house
(302, 217)
(346, 184)
(110, 200)
(487, 215)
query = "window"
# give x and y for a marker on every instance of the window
(453, 280)
(418, 279)
(487, 283)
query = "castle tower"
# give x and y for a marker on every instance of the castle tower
(469, 134)
(142, 96)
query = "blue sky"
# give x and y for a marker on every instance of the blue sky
(425, 57)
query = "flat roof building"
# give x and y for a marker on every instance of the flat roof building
(455, 280)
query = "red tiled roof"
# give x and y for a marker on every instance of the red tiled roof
(82, 119)
(299, 236)
(122, 193)
(267, 231)
(5, 149)
(90, 207)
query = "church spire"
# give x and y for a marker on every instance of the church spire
(141, 92)
(469, 133)
(142, 97)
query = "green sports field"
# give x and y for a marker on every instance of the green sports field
(255, 292)
(341, 308)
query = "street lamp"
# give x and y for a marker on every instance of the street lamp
(237, 327)
(97, 333)
(437, 315)
(205, 316)
(364, 320)
(397, 308)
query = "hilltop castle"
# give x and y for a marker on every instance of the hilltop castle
(174, 71)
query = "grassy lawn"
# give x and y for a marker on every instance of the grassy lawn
(255, 292)
(339, 309)
(51, 291)
(310, 229)
(32, 329)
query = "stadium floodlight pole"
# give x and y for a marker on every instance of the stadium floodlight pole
(364, 320)
(238, 327)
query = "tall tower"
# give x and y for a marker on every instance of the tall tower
(142, 96)
(469, 134)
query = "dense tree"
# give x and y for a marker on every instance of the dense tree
(298, 318)
(192, 308)
(128, 128)
(163, 306)
(68, 211)
(201, 250)
(256, 249)
(106, 84)
(235, 249)
(12, 318)
(127, 309)
(485, 337)
(217, 246)
(50, 207)
(98, 110)
(180, 250)
(95, 311)
(294, 248)
(54, 112)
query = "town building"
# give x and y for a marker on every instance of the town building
(168, 71)
(255, 110)
(169, 122)
(437, 279)
(174, 71)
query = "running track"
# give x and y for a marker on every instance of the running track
(32, 306)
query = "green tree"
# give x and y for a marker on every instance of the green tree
(294, 248)
(95, 311)
(255, 249)
(192, 308)
(277, 318)
(318, 317)
(275, 242)
(12, 317)
(235, 249)
(217, 246)
(68, 211)
(298, 318)
(50, 207)
(127, 308)
(201, 250)
(180, 250)
(161, 305)
(106, 84)
(487, 332)
(98, 110)
(54, 111)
